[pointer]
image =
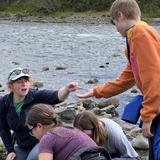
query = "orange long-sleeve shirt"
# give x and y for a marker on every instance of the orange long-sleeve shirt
(144, 70)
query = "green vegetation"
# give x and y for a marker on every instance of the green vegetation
(150, 8)
(52, 6)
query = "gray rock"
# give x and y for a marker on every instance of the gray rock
(140, 142)
(134, 132)
(92, 81)
(134, 90)
(111, 110)
(61, 67)
(37, 84)
(88, 104)
(112, 101)
(46, 68)
(68, 115)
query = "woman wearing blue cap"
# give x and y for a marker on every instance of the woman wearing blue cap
(13, 109)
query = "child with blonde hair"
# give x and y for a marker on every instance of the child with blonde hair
(142, 69)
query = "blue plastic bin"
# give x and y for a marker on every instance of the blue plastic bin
(131, 111)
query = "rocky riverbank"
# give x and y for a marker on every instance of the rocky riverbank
(106, 109)
(83, 19)
(103, 109)
(103, 19)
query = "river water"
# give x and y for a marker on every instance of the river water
(81, 48)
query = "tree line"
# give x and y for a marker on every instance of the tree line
(50, 6)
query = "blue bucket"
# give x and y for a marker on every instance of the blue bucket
(131, 111)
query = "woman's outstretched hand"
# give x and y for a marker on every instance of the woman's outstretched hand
(64, 91)
(72, 86)
(87, 94)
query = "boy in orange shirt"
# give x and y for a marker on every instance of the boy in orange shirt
(143, 68)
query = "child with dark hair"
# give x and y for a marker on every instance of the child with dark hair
(56, 142)
(107, 133)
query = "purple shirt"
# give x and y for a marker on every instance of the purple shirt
(64, 142)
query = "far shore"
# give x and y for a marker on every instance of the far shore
(82, 19)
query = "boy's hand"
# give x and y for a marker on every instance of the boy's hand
(72, 86)
(87, 94)
(146, 129)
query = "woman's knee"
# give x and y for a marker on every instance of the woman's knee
(33, 154)
(21, 154)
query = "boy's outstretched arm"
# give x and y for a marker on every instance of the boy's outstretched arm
(115, 87)
(87, 94)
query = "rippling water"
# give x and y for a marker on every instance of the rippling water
(81, 48)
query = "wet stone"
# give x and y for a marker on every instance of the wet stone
(46, 68)
(61, 67)
(92, 81)
(67, 115)
(134, 91)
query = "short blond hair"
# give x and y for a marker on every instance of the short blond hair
(129, 8)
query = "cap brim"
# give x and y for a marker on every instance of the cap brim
(19, 76)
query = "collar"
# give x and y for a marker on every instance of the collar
(129, 31)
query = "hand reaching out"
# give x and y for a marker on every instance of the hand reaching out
(64, 91)
(87, 94)
(72, 86)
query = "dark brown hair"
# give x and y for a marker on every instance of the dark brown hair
(44, 114)
(87, 120)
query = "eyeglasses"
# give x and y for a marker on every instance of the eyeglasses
(17, 72)
(31, 130)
